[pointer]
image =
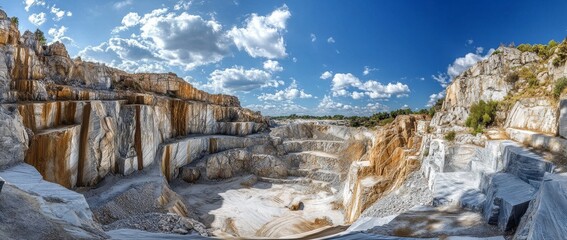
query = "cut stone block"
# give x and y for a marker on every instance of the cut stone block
(507, 199)
(451, 189)
(546, 215)
(563, 118)
(524, 164)
(55, 154)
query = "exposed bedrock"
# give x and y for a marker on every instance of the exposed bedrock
(394, 154)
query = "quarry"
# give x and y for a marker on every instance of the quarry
(93, 152)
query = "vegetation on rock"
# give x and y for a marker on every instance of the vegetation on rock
(40, 37)
(560, 85)
(450, 136)
(376, 119)
(482, 114)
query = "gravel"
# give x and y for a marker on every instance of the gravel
(413, 192)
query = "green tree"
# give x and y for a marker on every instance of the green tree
(40, 37)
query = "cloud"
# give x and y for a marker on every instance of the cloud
(131, 19)
(442, 78)
(130, 49)
(294, 59)
(469, 42)
(238, 79)
(59, 14)
(290, 93)
(342, 82)
(163, 40)
(272, 66)
(330, 40)
(368, 70)
(313, 37)
(376, 89)
(58, 34)
(357, 95)
(328, 106)
(184, 40)
(182, 5)
(122, 4)
(263, 35)
(405, 106)
(279, 108)
(37, 18)
(479, 50)
(463, 63)
(326, 75)
(434, 97)
(29, 3)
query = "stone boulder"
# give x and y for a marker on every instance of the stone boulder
(546, 215)
(189, 174)
(507, 199)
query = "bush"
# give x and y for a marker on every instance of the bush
(450, 136)
(561, 55)
(15, 21)
(482, 115)
(529, 75)
(559, 86)
(40, 37)
(512, 77)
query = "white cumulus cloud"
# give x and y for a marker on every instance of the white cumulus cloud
(343, 81)
(37, 18)
(262, 36)
(58, 34)
(272, 66)
(434, 97)
(59, 14)
(326, 75)
(313, 37)
(330, 40)
(131, 19)
(238, 79)
(290, 93)
(29, 3)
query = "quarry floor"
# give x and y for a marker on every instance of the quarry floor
(246, 207)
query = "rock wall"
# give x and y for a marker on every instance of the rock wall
(394, 155)
(83, 120)
(536, 114)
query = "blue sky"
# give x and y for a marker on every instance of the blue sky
(305, 57)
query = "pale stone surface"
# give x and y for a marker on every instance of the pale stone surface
(534, 114)
(545, 217)
(524, 164)
(562, 131)
(55, 154)
(507, 199)
(457, 188)
(14, 138)
(539, 140)
(56, 204)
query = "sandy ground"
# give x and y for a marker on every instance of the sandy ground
(262, 210)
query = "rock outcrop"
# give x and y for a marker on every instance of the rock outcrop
(394, 155)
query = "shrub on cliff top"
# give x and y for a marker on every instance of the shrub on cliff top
(450, 136)
(560, 85)
(482, 115)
